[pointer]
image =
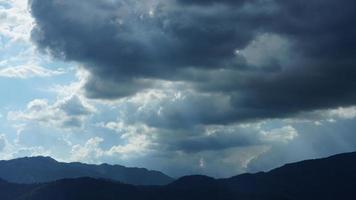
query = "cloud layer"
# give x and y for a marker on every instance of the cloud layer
(269, 58)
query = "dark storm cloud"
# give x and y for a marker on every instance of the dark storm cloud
(123, 43)
(219, 141)
(209, 2)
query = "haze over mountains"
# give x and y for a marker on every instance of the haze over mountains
(328, 178)
(45, 169)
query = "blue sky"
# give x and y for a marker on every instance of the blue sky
(73, 108)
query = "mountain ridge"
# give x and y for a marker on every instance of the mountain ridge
(327, 178)
(42, 169)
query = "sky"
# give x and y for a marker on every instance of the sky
(181, 86)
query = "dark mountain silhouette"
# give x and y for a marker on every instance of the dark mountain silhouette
(46, 169)
(324, 179)
(83, 188)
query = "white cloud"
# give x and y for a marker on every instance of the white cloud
(92, 152)
(15, 20)
(139, 139)
(70, 112)
(343, 112)
(128, 130)
(19, 56)
(75, 87)
(138, 145)
(28, 71)
(284, 134)
(89, 152)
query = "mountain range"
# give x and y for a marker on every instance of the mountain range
(325, 179)
(45, 169)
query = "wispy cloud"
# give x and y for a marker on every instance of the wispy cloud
(29, 71)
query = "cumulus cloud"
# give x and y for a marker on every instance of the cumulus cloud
(138, 145)
(15, 20)
(93, 152)
(89, 152)
(66, 113)
(138, 139)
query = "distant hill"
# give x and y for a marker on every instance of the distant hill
(331, 178)
(46, 169)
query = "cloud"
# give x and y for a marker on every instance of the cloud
(3, 142)
(89, 152)
(12, 149)
(284, 134)
(313, 141)
(66, 113)
(197, 139)
(172, 108)
(28, 71)
(18, 58)
(216, 138)
(136, 146)
(138, 139)
(343, 113)
(217, 87)
(93, 152)
(22, 151)
(209, 2)
(318, 117)
(15, 20)
(270, 59)
(224, 163)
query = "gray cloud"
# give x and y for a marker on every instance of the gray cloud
(216, 48)
(226, 137)
(209, 2)
(74, 106)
